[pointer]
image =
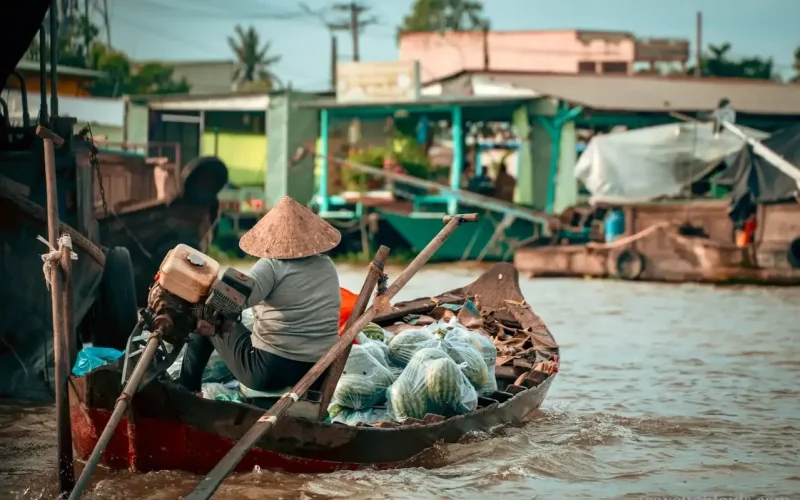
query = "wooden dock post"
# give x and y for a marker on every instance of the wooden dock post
(63, 322)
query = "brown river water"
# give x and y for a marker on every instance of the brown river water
(664, 391)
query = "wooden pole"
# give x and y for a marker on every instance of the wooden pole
(698, 45)
(62, 318)
(374, 273)
(212, 481)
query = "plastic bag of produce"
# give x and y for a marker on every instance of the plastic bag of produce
(220, 392)
(405, 344)
(347, 416)
(363, 382)
(486, 348)
(376, 333)
(471, 363)
(431, 383)
(379, 350)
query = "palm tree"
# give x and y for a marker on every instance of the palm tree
(462, 15)
(253, 62)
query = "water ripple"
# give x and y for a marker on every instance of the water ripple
(664, 390)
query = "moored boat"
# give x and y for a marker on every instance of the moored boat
(170, 428)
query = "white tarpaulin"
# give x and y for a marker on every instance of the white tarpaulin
(647, 163)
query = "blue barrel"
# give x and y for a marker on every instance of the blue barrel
(615, 225)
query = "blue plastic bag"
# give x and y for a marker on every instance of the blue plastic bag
(91, 358)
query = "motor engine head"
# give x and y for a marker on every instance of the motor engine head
(227, 298)
(193, 280)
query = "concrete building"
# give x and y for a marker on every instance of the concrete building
(205, 77)
(551, 51)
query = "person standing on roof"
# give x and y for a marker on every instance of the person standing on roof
(295, 304)
(724, 112)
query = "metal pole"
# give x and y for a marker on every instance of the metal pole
(53, 59)
(66, 471)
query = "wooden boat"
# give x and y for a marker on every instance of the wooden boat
(181, 207)
(682, 241)
(26, 338)
(172, 429)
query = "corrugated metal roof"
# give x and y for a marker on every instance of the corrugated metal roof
(62, 70)
(657, 94)
(93, 110)
(230, 102)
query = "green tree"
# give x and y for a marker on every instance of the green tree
(253, 60)
(443, 15)
(718, 62)
(796, 65)
(120, 74)
(122, 77)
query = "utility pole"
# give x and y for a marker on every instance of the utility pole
(87, 41)
(698, 45)
(105, 21)
(354, 24)
(334, 60)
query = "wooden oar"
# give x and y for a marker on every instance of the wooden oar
(374, 274)
(263, 425)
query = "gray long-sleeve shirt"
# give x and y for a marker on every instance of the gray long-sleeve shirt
(295, 307)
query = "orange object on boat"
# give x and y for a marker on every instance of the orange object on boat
(745, 236)
(346, 309)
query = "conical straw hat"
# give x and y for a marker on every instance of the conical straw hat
(289, 231)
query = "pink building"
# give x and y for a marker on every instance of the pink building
(551, 51)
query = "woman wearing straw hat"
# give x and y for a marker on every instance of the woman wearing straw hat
(295, 304)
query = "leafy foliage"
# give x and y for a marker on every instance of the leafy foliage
(121, 75)
(718, 62)
(443, 15)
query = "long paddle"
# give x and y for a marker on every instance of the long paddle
(209, 484)
(120, 407)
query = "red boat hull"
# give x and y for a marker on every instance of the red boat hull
(154, 444)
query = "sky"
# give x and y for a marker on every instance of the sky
(198, 29)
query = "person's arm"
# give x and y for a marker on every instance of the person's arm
(264, 275)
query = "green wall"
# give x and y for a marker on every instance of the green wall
(245, 155)
(566, 182)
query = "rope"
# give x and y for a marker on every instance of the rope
(292, 395)
(52, 257)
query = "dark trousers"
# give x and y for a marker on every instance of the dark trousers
(255, 368)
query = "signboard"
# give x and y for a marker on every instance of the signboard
(366, 82)
(662, 50)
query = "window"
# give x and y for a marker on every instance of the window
(614, 67)
(587, 67)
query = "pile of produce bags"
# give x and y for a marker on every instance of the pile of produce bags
(440, 369)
